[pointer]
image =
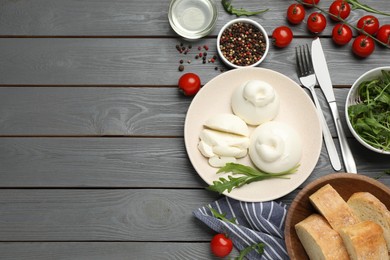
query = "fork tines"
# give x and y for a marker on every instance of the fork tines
(304, 63)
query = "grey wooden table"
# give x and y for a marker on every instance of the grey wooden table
(92, 157)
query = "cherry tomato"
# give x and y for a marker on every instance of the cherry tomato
(363, 46)
(383, 34)
(316, 22)
(369, 24)
(221, 245)
(310, 2)
(189, 84)
(339, 8)
(295, 13)
(341, 34)
(282, 36)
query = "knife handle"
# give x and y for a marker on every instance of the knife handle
(328, 139)
(346, 153)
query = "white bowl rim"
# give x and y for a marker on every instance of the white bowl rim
(245, 20)
(368, 74)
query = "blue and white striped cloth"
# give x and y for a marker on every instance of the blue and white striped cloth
(256, 222)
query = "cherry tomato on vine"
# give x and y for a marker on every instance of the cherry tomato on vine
(221, 245)
(316, 22)
(383, 34)
(296, 13)
(341, 34)
(363, 46)
(189, 84)
(339, 8)
(369, 24)
(282, 36)
(310, 2)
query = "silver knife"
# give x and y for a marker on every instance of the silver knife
(323, 77)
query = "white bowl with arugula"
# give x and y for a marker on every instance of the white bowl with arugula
(367, 110)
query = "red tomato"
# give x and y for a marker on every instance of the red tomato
(282, 36)
(363, 46)
(383, 34)
(295, 13)
(369, 24)
(310, 2)
(339, 8)
(316, 22)
(189, 84)
(341, 34)
(221, 245)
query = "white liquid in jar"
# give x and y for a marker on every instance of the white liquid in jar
(192, 16)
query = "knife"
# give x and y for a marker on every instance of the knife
(323, 77)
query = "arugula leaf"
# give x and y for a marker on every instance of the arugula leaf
(357, 5)
(258, 247)
(239, 12)
(222, 216)
(247, 175)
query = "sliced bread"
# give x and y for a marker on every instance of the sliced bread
(333, 207)
(365, 240)
(367, 207)
(320, 241)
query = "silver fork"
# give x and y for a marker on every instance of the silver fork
(308, 80)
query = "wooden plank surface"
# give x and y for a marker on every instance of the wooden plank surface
(92, 157)
(98, 111)
(140, 61)
(132, 17)
(102, 215)
(127, 163)
(107, 250)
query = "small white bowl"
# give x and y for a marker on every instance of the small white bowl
(248, 21)
(192, 19)
(351, 100)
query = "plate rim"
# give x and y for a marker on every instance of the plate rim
(254, 69)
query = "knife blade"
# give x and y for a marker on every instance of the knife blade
(323, 77)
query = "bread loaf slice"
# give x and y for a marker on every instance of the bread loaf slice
(365, 240)
(333, 207)
(368, 207)
(320, 241)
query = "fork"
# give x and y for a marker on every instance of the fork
(308, 80)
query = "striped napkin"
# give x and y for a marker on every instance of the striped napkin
(256, 222)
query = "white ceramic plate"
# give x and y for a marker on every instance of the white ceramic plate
(296, 109)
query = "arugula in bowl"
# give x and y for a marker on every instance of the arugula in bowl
(370, 116)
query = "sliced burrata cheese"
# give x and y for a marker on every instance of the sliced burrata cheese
(220, 161)
(224, 139)
(229, 151)
(275, 147)
(255, 102)
(228, 123)
(205, 149)
(213, 138)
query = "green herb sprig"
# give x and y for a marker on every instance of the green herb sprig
(259, 247)
(357, 5)
(248, 175)
(222, 217)
(370, 117)
(382, 174)
(227, 5)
